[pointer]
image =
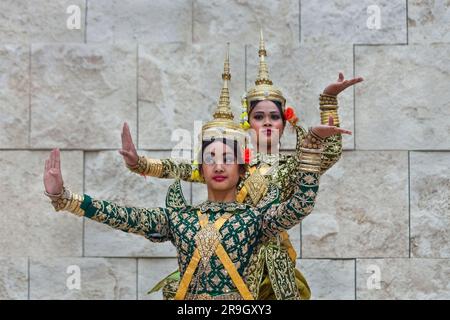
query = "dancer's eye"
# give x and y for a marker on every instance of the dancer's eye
(258, 117)
(275, 117)
(208, 159)
(228, 159)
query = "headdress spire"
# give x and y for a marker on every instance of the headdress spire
(263, 71)
(223, 110)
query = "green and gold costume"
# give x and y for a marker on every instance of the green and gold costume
(281, 170)
(245, 230)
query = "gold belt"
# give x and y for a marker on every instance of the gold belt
(206, 296)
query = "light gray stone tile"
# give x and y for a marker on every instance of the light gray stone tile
(13, 278)
(403, 102)
(98, 279)
(329, 279)
(30, 226)
(179, 86)
(428, 21)
(403, 279)
(361, 209)
(240, 21)
(81, 95)
(14, 96)
(42, 21)
(430, 204)
(346, 21)
(142, 21)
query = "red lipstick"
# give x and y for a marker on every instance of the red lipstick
(219, 178)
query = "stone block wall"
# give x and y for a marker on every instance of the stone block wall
(381, 227)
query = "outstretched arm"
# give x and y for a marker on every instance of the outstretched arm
(150, 223)
(164, 168)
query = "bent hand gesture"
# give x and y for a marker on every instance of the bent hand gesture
(340, 85)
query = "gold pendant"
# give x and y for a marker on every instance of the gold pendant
(207, 240)
(256, 185)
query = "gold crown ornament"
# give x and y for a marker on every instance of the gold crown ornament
(222, 126)
(263, 89)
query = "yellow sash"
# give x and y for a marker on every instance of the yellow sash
(240, 197)
(224, 258)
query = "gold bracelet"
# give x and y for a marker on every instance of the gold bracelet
(148, 167)
(77, 200)
(59, 204)
(139, 167)
(154, 168)
(328, 102)
(67, 201)
(324, 115)
(308, 168)
(314, 138)
(62, 201)
(310, 161)
(72, 203)
(325, 95)
(311, 152)
(327, 107)
(332, 100)
(55, 196)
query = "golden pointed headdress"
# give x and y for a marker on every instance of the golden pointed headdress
(223, 125)
(264, 88)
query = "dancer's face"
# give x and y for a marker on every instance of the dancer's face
(220, 168)
(266, 120)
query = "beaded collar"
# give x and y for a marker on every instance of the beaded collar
(213, 206)
(266, 158)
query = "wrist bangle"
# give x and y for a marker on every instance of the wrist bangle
(154, 168)
(55, 196)
(315, 139)
(68, 201)
(310, 160)
(325, 114)
(139, 167)
(328, 95)
(328, 100)
(133, 167)
(61, 201)
(326, 107)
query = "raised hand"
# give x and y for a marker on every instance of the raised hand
(128, 150)
(53, 181)
(325, 131)
(340, 85)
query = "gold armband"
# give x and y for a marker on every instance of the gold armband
(148, 167)
(311, 153)
(67, 201)
(328, 107)
(327, 99)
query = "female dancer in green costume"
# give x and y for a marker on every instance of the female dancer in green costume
(265, 113)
